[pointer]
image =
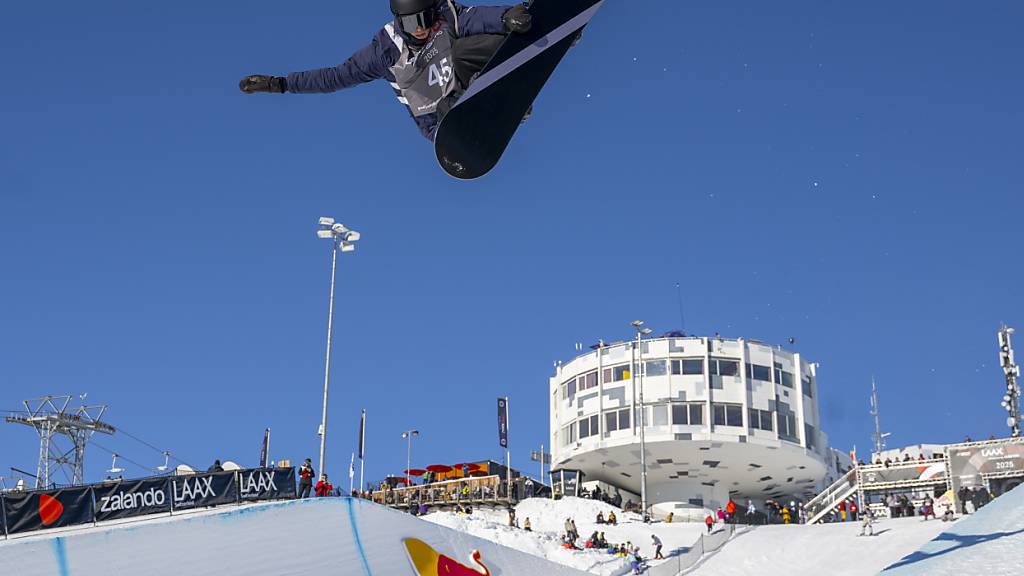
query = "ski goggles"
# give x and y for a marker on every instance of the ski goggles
(420, 20)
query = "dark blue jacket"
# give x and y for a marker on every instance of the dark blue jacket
(375, 60)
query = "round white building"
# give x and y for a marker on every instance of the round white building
(725, 419)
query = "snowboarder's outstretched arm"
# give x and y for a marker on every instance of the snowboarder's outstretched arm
(368, 63)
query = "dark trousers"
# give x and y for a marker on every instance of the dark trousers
(304, 490)
(470, 54)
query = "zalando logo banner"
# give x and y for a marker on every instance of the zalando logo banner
(119, 501)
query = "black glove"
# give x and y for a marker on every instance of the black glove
(252, 84)
(517, 19)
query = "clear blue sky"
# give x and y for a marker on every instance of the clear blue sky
(847, 174)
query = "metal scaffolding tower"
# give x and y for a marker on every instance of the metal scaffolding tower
(51, 418)
(1011, 400)
(878, 437)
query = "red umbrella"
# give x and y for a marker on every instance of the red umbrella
(469, 465)
(439, 468)
(415, 472)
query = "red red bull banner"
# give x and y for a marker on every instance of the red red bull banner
(429, 562)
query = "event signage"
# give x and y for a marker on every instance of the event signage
(132, 498)
(971, 464)
(29, 511)
(200, 490)
(266, 483)
(503, 422)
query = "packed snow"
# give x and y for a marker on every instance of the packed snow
(547, 519)
(833, 549)
(988, 542)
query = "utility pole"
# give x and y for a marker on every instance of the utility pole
(1011, 400)
(638, 359)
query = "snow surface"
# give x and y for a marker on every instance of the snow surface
(989, 542)
(832, 549)
(547, 518)
(323, 537)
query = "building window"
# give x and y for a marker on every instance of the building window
(588, 426)
(655, 368)
(697, 414)
(688, 414)
(620, 373)
(569, 389)
(660, 415)
(760, 419)
(587, 381)
(809, 436)
(606, 375)
(808, 389)
(569, 434)
(616, 420)
(758, 372)
(787, 422)
(722, 367)
(728, 414)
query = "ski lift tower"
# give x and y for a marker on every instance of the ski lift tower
(51, 418)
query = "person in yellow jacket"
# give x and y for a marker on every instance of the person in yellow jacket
(785, 515)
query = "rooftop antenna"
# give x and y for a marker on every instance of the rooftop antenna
(679, 298)
(51, 418)
(879, 436)
(1011, 400)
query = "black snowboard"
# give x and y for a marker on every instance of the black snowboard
(475, 132)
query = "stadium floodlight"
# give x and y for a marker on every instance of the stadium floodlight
(341, 240)
(637, 323)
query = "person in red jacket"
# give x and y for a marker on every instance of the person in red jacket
(709, 521)
(323, 487)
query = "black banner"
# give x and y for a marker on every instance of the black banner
(503, 422)
(132, 498)
(52, 509)
(266, 483)
(199, 490)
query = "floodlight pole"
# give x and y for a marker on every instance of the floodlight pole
(637, 367)
(1011, 400)
(408, 454)
(327, 366)
(342, 237)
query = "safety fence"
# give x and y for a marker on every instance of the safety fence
(22, 512)
(686, 558)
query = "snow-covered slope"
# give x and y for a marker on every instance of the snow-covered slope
(989, 542)
(833, 549)
(547, 518)
(322, 537)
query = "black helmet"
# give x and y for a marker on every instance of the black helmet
(413, 14)
(406, 7)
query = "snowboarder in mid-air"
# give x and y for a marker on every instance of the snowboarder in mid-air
(429, 53)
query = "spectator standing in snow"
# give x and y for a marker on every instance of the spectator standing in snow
(612, 519)
(526, 525)
(668, 519)
(710, 522)
(306, 475)
(721, 515)
(511, 516)
(853, 510)
(657, 547)
(323, 487)
(730, 511)
(575, 533)
(751, 510)
(529, 487)
(600, 518)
